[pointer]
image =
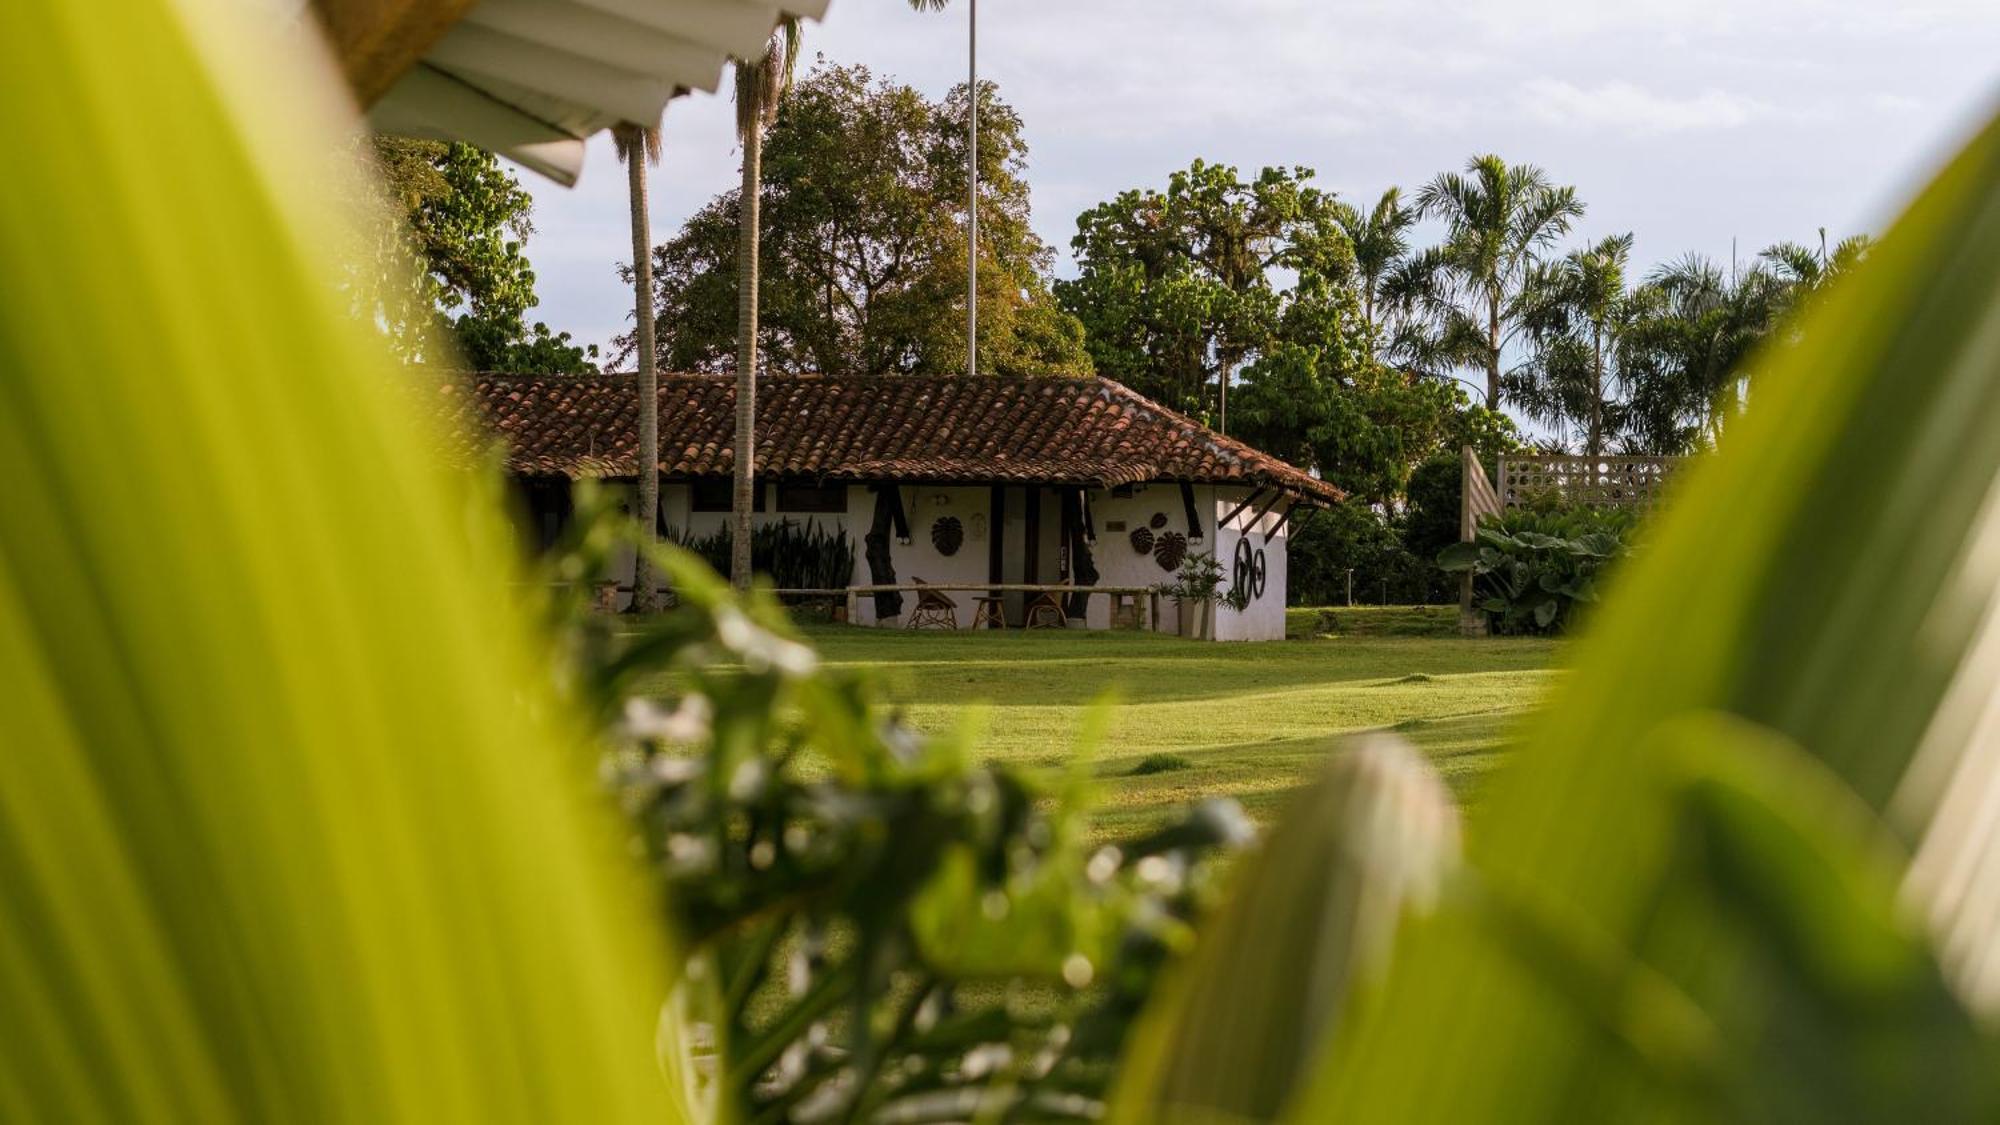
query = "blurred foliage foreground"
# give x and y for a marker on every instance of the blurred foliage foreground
(876, 927)
(269, 854)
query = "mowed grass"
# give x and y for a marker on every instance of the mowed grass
(1190, 720)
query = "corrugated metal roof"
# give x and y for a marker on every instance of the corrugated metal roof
(532, 79)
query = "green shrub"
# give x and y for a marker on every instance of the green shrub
(1431, 506)
(1532, 567)
(794, 556)
(1324, 546)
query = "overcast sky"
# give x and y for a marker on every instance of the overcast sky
(1687, 122)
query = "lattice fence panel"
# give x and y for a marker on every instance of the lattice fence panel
(1602, 482)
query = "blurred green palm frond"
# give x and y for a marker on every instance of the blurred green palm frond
(290, 825)
(1743, 865)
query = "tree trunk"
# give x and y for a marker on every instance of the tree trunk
(1368, 315)
(743, 498)
(1493, 352)
(1596, 444)
(1222, 419)
(648, 506)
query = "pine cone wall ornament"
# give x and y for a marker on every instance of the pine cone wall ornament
(1169, 550)
(947, 535)
(1142, 540)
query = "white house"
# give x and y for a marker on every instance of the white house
(947, 481)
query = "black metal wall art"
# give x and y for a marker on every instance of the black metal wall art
(1250, 571)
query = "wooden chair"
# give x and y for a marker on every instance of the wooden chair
(1045, 612)
(935, 610)
(989, 612)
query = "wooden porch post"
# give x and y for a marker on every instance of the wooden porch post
(1477, 498)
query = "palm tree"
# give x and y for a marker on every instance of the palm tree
(1798, 271)
(760, 85)
(1693, 324)
(1380, 238)
(1578, 306)
(638, 146)
(1498, 220)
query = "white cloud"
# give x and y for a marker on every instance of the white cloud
(1633, 109)
(1687, 121)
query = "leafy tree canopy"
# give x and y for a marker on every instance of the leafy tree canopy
(1260, 278)
(863, 255)
(464, 229)
(1179, 288)
(1362, 425)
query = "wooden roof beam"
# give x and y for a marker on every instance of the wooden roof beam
(376, 42)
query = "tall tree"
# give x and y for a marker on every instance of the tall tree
(1179, 289)
(1576, 309)
(638, 146)
(760, 84)
(1499, 220)
(453, 265)
(1693, 327)
(862, 245)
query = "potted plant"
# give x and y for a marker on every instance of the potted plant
(1195, 590)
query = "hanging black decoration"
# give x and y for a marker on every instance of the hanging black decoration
(1142, 540)
(947, 535)
(1251, 569)
(1169, 550)
(1159, 520)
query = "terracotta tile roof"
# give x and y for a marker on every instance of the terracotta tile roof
(1047, 431)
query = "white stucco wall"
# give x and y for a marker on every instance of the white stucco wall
(1264, 618)
(1119, 565)
(1114, 517)
(920, 558)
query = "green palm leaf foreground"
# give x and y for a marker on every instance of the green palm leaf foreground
(1743, 865)
(290, 828)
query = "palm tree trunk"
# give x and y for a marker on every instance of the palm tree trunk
(743, 498)
(1493, 352)
(1368, 315)
(648, 506)
(1596, 398)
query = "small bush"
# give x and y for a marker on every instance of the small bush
(1160, 763)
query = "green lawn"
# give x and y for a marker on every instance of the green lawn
(1250, 721)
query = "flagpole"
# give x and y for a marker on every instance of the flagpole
(972, 200)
